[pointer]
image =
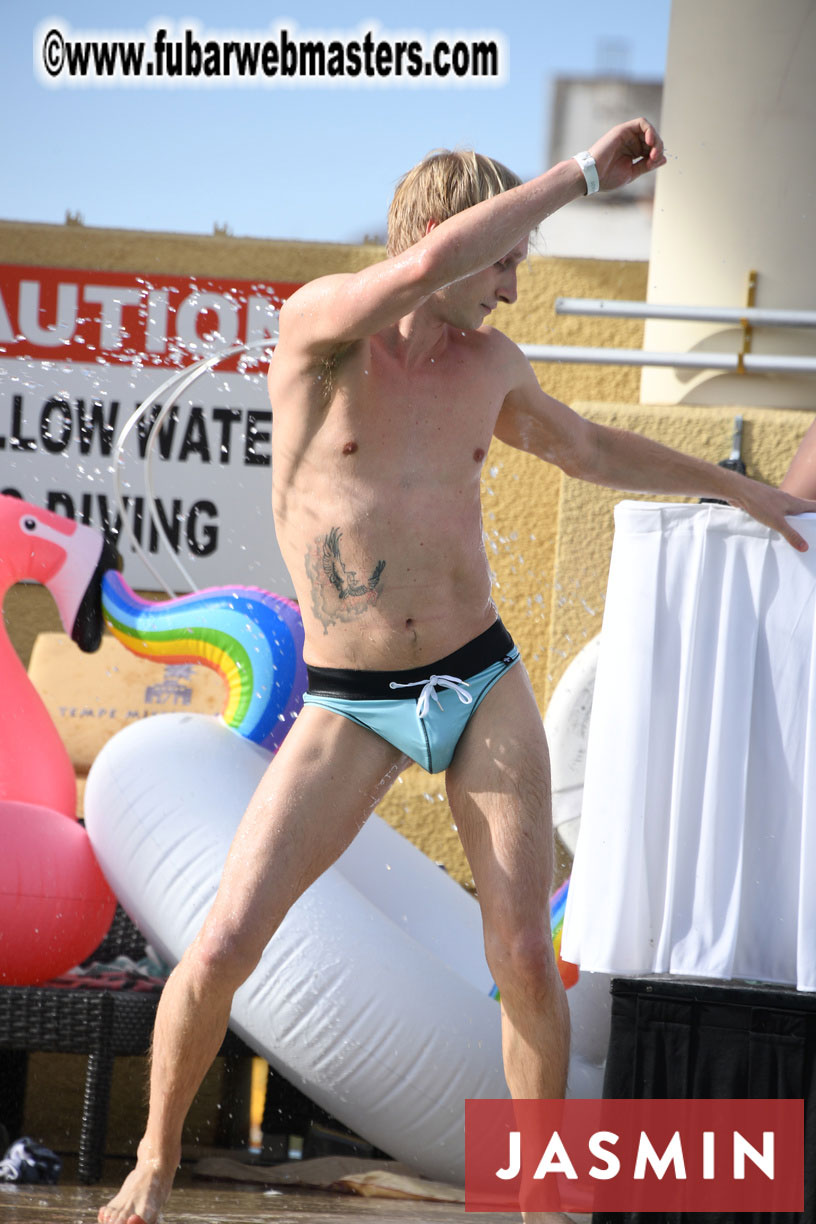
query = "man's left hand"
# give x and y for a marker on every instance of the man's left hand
(770, 506)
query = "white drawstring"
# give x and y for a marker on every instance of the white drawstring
(429, 691)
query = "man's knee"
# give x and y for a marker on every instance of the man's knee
(220, 957)
(521, 959)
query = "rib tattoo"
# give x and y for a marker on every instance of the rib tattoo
(332, 581)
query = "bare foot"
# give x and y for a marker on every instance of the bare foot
(144, 1192)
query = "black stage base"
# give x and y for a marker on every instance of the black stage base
(682, 1037)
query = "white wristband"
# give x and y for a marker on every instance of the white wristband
(589, 171)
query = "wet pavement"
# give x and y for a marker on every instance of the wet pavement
(218, 1204)
(209, 1203)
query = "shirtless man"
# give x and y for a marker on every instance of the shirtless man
(387, 388)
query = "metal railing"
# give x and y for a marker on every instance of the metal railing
(743, 362)
(749, 363)
(755, 316)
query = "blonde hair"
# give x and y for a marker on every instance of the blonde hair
(444, 183)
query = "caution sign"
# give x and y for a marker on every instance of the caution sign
(80, 352)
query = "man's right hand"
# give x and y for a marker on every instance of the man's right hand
(626, 152)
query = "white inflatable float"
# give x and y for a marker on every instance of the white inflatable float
(566, 724)
(374, 995)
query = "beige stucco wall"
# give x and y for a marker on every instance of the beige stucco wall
(80, 246)
(548, 538)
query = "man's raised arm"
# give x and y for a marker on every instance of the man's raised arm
(335, 311)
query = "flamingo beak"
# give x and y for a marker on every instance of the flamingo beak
(88, 623)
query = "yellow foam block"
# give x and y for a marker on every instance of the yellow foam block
(92, 696)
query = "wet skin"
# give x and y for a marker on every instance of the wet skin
(382, 473)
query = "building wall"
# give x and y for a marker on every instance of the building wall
(548, 538)
(603, 226)
(80, 246)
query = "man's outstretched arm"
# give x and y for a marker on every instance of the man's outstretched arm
(532, 421)
(337, 310)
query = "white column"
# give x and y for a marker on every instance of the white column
(738, 193)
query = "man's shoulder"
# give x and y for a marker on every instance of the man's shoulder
(313, 291)
(299, 315)
(498, 345)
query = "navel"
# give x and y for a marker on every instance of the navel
(350, 448)
(478, 454)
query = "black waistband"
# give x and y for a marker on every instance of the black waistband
(355, 685)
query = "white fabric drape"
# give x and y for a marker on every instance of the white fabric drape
(697, 850)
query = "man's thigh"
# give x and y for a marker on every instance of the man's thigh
(315, 796)
(499, 791)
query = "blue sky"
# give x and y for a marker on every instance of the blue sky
(310, 163)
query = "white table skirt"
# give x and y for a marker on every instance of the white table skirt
(697, 849)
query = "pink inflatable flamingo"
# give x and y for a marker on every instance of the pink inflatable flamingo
(55, 905)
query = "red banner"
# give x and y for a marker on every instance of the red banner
(635, 1155)
(81, 315)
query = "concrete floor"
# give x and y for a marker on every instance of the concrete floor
(227, 1205)
(197, 1202)
(231, 1205)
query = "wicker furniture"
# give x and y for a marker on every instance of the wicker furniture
(100, 1023)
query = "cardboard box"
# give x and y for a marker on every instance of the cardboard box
(92, 696)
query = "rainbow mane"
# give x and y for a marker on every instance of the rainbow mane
(558, 903)
(253, 639)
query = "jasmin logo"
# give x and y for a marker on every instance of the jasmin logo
(613, 1155)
